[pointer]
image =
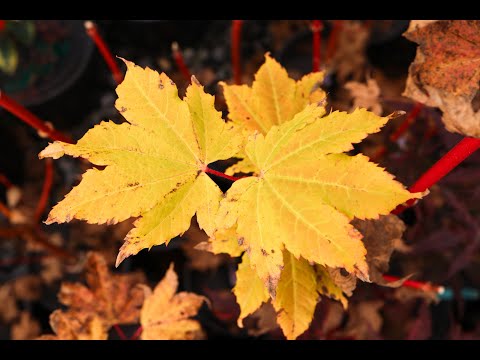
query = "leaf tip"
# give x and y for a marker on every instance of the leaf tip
(195, 81)
(122, 254)
(54, 150)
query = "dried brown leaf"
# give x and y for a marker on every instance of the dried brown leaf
(445, 72)
(379, 237)
(365, 95)
(76, 325)
(115, 298)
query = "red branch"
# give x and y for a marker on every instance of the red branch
(26, 116)
(409, 120)
(333, 38)
(236, 50)
(92, 31)
(137, 333)
(47, 186)
(5, 182)
(425, 286)
(3, 24)
(178, 57)
(120, 332)
(316, 27)
(442, 167)
(220, 174)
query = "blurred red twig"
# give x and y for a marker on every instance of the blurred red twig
(5, 182)
(236, 50)
(178, 57)
(333, 39)
(442, 167)
(26, 116)
(92, 31)
(316, 27)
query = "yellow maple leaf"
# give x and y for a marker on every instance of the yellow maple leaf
(166, 315)
(249, 290)
(296, 296)
(155, 163)
(273, 99)
(307, 191)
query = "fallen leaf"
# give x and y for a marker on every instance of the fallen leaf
(445, 72)
(166, 315)
(115, 298)
(365, 95)
(26, 328)
(76, 325)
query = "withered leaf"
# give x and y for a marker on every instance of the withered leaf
(445, 72)
(115, 298)
(379, 237)
(76, 325)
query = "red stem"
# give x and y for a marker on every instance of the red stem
(3, 24)
(409, 120)
(178, 57)
(236, 39)
(47, 186)
(317, 36)
(413, 284)
(137, 333)
(26, 116)
(220, 174)
(92, 31)
(120, 332)
(5, 182)
(333, 38)
(442, 167)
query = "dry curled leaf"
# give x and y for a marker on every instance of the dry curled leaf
(166, 315)
(445, 72)
(365, 95)
(115, 298)
(379, 237)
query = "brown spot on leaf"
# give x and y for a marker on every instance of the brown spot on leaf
(264, 252)
(240, 241)
(136, 183)
(123, 109)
